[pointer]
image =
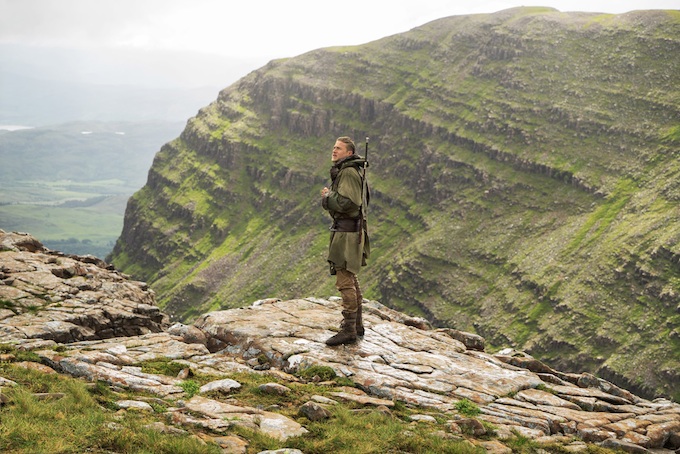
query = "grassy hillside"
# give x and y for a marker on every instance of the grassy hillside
(525, 173)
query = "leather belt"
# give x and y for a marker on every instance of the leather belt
(346, 225)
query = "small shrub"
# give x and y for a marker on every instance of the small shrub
(262, 359)
(162, 367)
(33, 308)
(491, 429)
(7, 304)
(190, 387)
(520, 443)
(324, 373)
(158, 408)
(344, 381)
(542, 387)
(467, 408)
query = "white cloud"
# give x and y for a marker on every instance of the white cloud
(259, 28)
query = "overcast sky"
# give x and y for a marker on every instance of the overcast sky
(125, 42)
(265, 29)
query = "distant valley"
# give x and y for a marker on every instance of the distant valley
(69, 183)
(79, 129)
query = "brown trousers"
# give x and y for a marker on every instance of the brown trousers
(348, 285)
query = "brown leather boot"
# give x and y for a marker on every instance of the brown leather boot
(348, 330)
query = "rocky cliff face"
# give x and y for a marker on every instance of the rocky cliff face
(524, 168)
(401, 359)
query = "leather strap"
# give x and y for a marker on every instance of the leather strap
(346, 225)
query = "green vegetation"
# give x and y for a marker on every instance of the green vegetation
(375, 432)
(190, 387)
(467, 408)
(162, 367)
(89, 229)
(77, 418)
(673, 135)
(80, 417)
(602, 218)
(7, 304)
(324, 373)
(19, 355)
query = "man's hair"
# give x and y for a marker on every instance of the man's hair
(349, 142)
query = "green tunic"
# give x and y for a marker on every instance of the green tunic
(347, 250)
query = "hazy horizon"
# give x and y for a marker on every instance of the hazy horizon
(189, 44)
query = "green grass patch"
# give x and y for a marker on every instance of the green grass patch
(19, 355)
(7, 304)
(672, 135)
(162, 366)
(538, 310)
(602, 218)
(542, 387)
(252, 395)
(81, 420)
(373, 432)
(522, 444)
(190, 387)
(324, 373)
(467, 408)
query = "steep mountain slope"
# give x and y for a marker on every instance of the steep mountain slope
(525, 178)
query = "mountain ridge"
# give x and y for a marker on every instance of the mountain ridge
(524, 177)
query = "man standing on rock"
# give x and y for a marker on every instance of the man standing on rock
(349, 246)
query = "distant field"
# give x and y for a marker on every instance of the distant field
(68, 184)
(91, 228)
(47, 192)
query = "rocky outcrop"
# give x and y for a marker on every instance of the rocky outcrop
(399, 360)
(50, 307)
(47, 295)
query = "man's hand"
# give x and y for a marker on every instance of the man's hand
(324, 192)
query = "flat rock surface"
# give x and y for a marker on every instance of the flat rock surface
(429, 368)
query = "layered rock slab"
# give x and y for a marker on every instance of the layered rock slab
(393, 360)
(47, 295)
(399, 360)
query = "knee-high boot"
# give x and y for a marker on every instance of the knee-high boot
(348, 330)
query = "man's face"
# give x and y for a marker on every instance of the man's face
(340, 151)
